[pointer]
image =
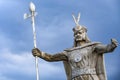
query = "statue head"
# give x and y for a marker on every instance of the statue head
(80, 32)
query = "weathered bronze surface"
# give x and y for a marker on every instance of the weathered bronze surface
(85, 61)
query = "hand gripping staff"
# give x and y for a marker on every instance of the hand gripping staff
(32, 16)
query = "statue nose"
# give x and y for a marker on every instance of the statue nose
(78, 34)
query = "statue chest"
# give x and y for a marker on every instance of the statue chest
(77, 55)
(80, 57)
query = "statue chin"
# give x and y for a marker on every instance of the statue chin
(79, 39)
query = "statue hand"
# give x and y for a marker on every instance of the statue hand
(36, 52)
(114, 41)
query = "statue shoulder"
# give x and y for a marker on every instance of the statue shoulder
(80, 47)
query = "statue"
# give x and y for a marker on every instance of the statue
(85, 60)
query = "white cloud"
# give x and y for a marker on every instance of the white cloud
(23, 63)
(5, 42)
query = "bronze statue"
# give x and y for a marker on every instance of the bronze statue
(84, 61)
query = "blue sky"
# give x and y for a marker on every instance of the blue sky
(54, 25)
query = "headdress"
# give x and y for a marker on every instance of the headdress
(78, 27)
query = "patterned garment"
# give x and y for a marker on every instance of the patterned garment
(86, 77)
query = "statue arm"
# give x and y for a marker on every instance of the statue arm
(48, 57)
(55, 57)
(100, 48)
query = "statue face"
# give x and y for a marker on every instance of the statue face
(79, 35)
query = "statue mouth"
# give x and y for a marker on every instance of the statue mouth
(77, 38)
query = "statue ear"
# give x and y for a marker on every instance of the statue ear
(85, 30)
(73, 29)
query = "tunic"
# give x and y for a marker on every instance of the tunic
(82, 62)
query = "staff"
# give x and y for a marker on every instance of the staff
(32, 15)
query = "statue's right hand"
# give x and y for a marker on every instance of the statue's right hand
(36, 52)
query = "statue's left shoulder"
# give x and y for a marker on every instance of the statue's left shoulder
(94, 43)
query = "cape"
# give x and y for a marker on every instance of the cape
(100, 66)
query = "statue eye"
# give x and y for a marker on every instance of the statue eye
(79, 32)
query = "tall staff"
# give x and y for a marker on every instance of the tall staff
(32, 16)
